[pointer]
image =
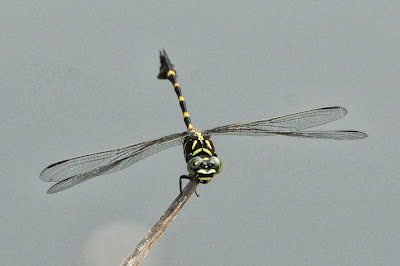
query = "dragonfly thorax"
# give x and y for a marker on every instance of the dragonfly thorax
(198, 144)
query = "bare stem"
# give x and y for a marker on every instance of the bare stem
(148, 241)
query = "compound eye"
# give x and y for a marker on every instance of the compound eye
(193, 164)
(217, 163)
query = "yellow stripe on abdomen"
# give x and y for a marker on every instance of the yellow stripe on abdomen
(170, 72)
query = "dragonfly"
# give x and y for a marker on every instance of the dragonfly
(199, 151)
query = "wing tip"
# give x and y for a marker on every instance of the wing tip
(363, 135)
(43, 176)
(341, 108)
(354, 134)
(344, 110)
(50, 191)
(57, 188)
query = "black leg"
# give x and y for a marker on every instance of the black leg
(186, 177)
(180, 181)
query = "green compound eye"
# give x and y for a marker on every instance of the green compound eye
(193, 164)
(216, 163)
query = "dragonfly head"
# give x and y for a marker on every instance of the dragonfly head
(204, 168)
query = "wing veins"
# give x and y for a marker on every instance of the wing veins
(94, 163)
(289, 123)
(321, 134)
(293, 125)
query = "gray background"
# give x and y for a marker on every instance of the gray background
(80, 76)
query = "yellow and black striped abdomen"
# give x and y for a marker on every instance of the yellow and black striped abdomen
(167, 71)
(182, 103)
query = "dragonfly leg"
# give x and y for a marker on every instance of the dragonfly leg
(186, 177)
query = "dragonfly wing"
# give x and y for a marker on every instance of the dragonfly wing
(329, 134)
(292, 125)
(76, 170)
(291, 122)
(322, 134)
(79, 178)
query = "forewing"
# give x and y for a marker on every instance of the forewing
(76, 170)
(292, 125)
(291, 122)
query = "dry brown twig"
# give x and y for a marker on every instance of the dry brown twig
(149, 240)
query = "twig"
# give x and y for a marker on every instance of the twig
(148, 241)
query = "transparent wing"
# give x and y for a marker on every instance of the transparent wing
(292, 125)
(73, 171)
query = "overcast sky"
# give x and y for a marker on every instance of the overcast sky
(78, 77)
